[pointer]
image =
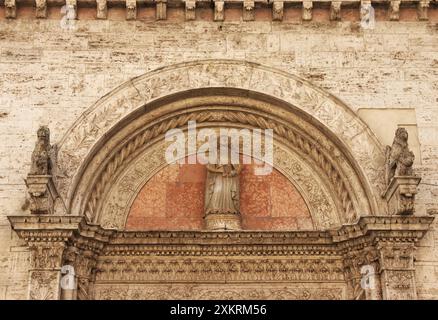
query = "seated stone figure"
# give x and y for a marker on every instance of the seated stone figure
(399, 159)
(41, 163)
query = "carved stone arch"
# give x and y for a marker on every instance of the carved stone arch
(342, 146)
(322, 147)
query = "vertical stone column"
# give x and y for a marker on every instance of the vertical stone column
(45, 271)
(397, 270)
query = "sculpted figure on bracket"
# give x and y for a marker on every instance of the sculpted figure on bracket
(400, 179)
(39, 181)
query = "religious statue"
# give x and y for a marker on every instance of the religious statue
(41, 163)
(399, 159)
(222, 194)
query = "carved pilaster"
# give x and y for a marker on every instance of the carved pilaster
(10, 9)
(361, 273)
(277, 10)
(45, 271)
(400, 195)
(397, 270)
(248, 10)
(422, 9)
(161, 9)
(84, 263)
(307, 10)
(335, 10)
(101, 9)
(41, 8)
(394, 10)
(131, 9)
(219, 7)
(190, 9)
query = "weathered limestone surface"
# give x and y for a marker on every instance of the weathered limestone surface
(49, 76)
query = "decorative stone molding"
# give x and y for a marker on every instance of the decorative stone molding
(10, 9)
(131, 9)
(41, 8)
(219, 6)
(109, 259)
(101, 9)
(220, 292)
(394, 10)
(277, 10)
(248, 11)
(161, 9)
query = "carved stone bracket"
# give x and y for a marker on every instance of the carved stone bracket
(335, 10)
(248, 10)
(422, 9)
(219, 6)
(41, 8)
(190, 9)
(131, 9)
(42, 193)
(400, 194)
(10, 9)
(394, 10)
(277, 10)
(101, 9)
(161, 9)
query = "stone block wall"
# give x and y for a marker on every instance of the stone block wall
(50, 76)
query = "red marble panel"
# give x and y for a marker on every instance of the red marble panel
(174, 200)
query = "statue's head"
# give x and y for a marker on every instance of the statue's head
(43, 133)
(401, 135)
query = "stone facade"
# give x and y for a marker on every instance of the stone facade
(342, 80)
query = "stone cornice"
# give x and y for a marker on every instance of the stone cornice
(75, 230)
(248, 7)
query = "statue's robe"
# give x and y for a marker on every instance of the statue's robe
(222, 189)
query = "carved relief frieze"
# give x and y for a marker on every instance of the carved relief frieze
(192, 269)
(227, 292)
